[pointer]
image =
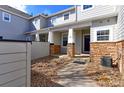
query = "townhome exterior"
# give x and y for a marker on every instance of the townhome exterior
(96, 30)
(93, 30)
(74, 30)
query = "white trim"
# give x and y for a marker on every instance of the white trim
(5, 13)
(51, 37)
(71, 35)
(64, 33)
(110, 28)
(84, 43)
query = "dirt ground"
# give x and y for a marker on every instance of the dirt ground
(104, 76)
(44, 71)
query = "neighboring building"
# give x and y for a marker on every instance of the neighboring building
(88, 29)
(13, 23)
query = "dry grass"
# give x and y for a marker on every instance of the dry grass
(44, 71)
(104, 76)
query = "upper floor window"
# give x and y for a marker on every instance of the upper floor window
(6, 17)
(66, 16)
(102, 35)
(35, 21)
(87, 7)
(54, 20)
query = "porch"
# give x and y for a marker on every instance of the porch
(71, 42)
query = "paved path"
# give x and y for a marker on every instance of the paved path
(72, 75)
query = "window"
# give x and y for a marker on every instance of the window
(43, 37)
(28, 38)
(66, 16)
(6, 17)
(64, 39)
(102, 35)
(54, 20)
(87, 7)
(1, 37)
(35, 21)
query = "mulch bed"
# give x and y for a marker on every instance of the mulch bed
(44, 71)
(104, 76)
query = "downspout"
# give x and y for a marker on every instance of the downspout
(76, 12)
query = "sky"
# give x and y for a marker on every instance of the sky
(38, 9)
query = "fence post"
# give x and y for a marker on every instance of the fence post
(28, 48)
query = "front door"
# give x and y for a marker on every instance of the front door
(86, 44)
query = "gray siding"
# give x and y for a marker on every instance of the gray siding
(15, 11)
(96, 12)
(38, 23)
(103, 24)
(43, 22)
(60, 18)
(14, 29)
(120, 34)
(14, 64)
(79, 44)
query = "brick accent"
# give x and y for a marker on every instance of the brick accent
(71, 49)
(120, 52)
(99, 49)
(55, 49)
(113, 49)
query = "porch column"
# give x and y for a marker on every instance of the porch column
(50, 38)
(37, 37)
(51, 41)
(54, 45)
(71, 43)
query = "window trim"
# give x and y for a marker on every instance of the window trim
(3, 14)
(83, 10)
(68, 15)
(62, 39)
(103, 35)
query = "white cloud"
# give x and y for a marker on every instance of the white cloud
(20, 7)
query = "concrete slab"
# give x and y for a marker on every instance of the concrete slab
(72, 75)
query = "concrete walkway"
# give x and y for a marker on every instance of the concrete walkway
(72, 75)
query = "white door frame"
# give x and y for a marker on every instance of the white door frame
(63, 33)
(84, 43)
(63, 48)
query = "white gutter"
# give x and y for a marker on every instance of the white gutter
(62, 11)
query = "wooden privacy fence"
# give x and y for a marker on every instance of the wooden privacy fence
(39, 49)
(15, 63)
